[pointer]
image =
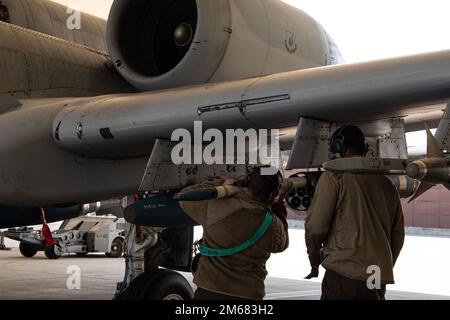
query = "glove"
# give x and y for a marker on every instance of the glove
(314, 273)
(279, 210)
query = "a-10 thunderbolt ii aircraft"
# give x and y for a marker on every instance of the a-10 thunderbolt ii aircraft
(87, 114)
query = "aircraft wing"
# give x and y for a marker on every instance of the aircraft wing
(121, 126)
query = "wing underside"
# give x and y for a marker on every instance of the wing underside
(124, 126)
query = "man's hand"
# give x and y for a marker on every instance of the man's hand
(286, 187)
(279, 210)
(230, 182)
(315, 261)
(314, 273)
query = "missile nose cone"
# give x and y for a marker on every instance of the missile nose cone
(416, 170)
(413, 170)
(130, 214)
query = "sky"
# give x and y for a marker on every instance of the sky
(363, 29)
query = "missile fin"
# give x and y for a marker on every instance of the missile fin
(421, 189)
(442, 134)
(433, 146)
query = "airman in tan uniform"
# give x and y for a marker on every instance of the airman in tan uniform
(229, 222)
(355, 224)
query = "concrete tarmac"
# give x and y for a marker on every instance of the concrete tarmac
(38, 278)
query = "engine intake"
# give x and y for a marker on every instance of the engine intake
(149, 40)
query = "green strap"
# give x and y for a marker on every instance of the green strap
(210, 252)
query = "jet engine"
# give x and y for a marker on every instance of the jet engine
(162, 44)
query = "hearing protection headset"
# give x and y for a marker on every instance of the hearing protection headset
(338, 146)
(275, 191)
(337, 143)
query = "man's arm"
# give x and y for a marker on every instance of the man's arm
(397, 232)
(281, 238)
(320, 216)
(197, 209)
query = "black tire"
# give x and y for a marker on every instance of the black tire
(50, 252)
(159, 285)
(117, 247)
(28, 250)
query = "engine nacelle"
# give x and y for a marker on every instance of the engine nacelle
(162, 44)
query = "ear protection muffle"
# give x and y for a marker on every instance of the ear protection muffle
(272, 195)
(338, 146)
(337, 143)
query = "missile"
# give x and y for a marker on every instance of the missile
(165, 210)
(394, 169)
(209, 194)
(230, 190)
(434, 169)
(431, 170)
(366, 165)
(158, 211)
(404, 184)
(295, 182)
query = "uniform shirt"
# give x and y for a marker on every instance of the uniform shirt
(358, 220)
(227, 223)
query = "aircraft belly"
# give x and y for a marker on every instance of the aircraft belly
(34, 171)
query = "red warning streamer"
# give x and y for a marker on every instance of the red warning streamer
(46, 233)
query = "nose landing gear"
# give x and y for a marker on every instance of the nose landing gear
(148, 250)
(2, 244)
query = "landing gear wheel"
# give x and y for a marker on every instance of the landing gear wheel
(51, 253)
(27, 250)
(116, 248)
(159, 285)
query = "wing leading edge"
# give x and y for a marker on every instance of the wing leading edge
(345, 93)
